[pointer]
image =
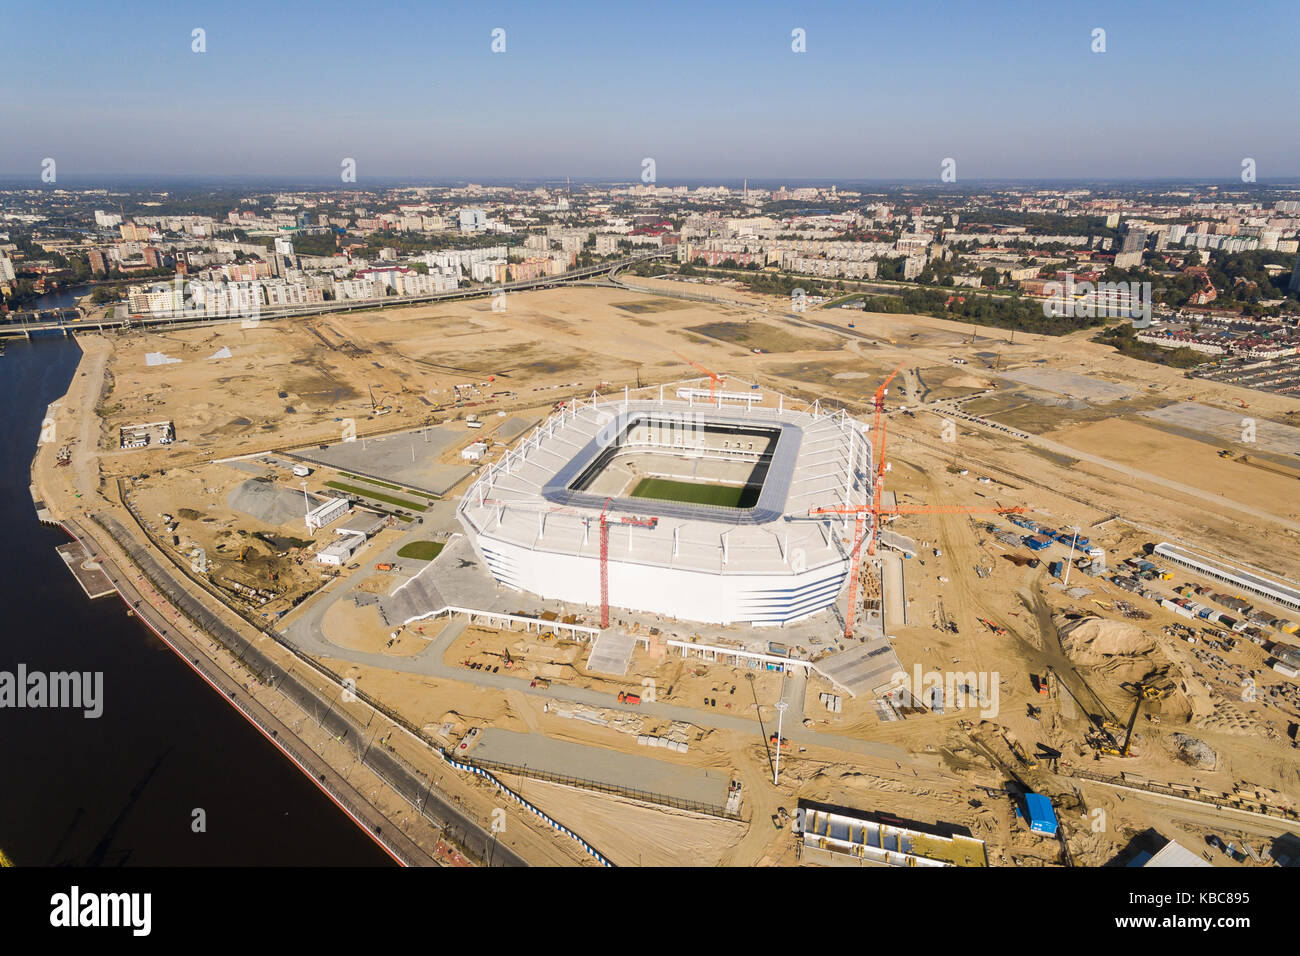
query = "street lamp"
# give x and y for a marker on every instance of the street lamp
(781, 708)
(1068, 564)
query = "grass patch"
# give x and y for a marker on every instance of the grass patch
(384, 484)
(724, 496)
(421, 550)
(377, 496)
(371, 481)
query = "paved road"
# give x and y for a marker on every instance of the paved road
(172, 626)
(306, 637)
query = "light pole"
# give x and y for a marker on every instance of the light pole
(1073, 539)
(781, 708)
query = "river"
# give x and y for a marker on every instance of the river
(122, 789)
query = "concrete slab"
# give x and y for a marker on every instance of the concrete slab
(612, 652)
(405, 458)
(629, 771)
(863, 669)
(1226, 427)
(1073, 384)
(88, 573)
(894, 590)
(515, 426)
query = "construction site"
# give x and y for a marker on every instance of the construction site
(718, 583)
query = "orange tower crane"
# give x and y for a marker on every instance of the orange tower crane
(860, 513)
(714, 378)
(874, 509)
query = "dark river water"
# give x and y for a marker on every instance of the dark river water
(121, 789)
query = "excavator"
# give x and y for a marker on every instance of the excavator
(375, 407)
(1103, 737)
(1141, 692)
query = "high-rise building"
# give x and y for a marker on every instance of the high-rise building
(1135, 240)
(473, 220)
(1295, 276)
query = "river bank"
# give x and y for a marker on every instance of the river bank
(130, 787)
(386, 779)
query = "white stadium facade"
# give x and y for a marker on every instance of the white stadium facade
(534, 515)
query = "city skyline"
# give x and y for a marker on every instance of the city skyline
(1012, 94)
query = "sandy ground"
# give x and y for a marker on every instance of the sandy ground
(551, 345)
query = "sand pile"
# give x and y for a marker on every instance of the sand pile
(1092, 640)
(1119, 649)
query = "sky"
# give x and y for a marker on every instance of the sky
(708, 90)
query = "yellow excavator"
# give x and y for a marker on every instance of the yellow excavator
(1141, 693)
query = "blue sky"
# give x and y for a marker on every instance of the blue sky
(884, 91)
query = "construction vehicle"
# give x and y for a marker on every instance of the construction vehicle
(625, 698)
(375, 407)
(384, 566)
(1140, 694)
(995, 628)
(1028, 762)
(1102, 737)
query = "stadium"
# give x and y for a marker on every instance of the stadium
(706, 498)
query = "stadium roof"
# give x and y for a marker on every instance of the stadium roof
(819, 460)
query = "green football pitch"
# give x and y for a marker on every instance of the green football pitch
(725, 496)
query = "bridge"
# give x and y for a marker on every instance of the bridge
(69, 321)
